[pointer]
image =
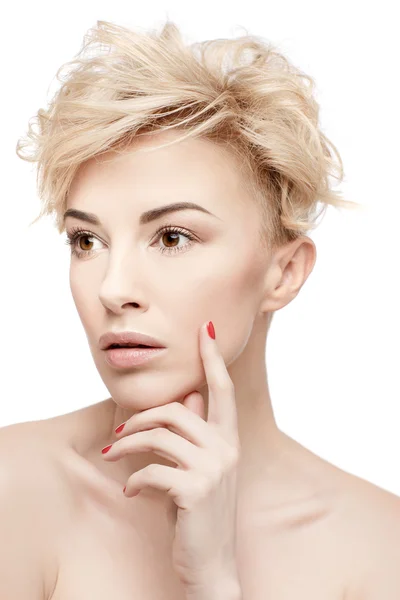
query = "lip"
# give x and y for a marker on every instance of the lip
(125, 358)
(128, 337)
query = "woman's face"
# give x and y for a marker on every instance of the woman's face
(128, 277)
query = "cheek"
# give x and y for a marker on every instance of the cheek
(229, 293)
(78, 294)
(229, 281)
(83, 295)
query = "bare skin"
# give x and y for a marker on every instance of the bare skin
(307, 530)
(296, 512)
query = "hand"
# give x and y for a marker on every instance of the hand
(203, 486)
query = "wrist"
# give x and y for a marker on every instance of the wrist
(228, 589)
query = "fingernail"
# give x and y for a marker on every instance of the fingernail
(120, 428)
(211, 330)
(106, 449)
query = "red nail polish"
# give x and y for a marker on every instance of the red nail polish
(211, 330)
(120, 428)
(106, 449)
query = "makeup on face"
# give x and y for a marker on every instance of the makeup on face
(124, 358)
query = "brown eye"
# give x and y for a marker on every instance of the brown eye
(80, 248)
(169, 236)
(170, 239)
(80, 243)
(83, 246)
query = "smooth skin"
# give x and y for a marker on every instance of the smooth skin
(203, 485)
(305, 529)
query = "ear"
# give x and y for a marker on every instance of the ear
(288, 270)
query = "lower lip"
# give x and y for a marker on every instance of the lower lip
(131, 357)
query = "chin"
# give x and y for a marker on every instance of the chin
(137, 396)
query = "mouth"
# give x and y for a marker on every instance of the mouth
(123, 356)
(128, 346)
(128, 339)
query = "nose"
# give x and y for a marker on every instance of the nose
(123, 282)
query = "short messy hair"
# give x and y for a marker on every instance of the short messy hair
(240, 93)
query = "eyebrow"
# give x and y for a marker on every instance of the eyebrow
(146, 217)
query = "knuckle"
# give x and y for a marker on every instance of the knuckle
(233, 456)
(203, 486)
(176, 409)
(158, 432)
(151, 471)
(225, 385)
(214, 475)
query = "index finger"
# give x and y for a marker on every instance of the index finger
(221, 391)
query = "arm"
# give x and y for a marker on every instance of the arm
(21, 564)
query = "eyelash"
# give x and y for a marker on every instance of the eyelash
(76, 233)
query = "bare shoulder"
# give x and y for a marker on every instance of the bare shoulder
(338, 531)
(30, 486)
(369, 522)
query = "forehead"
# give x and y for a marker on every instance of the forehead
(194, 166)
(196, 154)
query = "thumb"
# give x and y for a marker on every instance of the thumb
(194, 402)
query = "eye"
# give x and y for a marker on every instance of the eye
(174, 233)
(73, 238)
(77, 234)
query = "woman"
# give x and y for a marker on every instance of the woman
(186, 187)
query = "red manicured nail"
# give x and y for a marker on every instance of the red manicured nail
(211, 330)
(106, 449)
(120, 428)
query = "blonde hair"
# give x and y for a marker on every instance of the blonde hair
(240, 93)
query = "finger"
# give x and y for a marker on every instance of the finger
(164, 443)
(194, 402)
(178, 418)
(221, 395)
(182, 486)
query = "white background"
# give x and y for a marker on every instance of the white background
(332, 354)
